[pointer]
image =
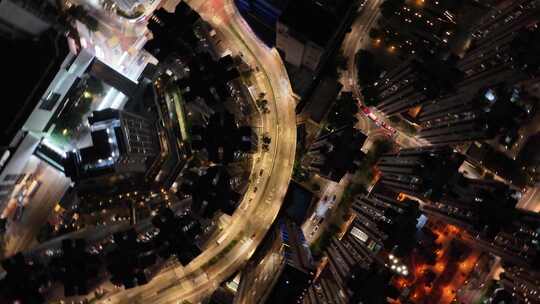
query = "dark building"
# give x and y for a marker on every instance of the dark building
(485, 209)
(325, 291)
(27, 28)
(386, 222)
(221, 137)
(365, 285)
(173, 32)
(522, 283)
(208, 78)
(75, 268)
(497, 162)
(419, 27)
(176, 236)
(498, 60)
(451, 98)
(211, 191)
(22, 281)
(262, 16)
(280, 270)
(336, 153)
(382, 227)
(296, 30)
(421, 172)
(296, 203)
(26, 18)
(306, 43)
(490, 113)
(124, 145)
(485, 102)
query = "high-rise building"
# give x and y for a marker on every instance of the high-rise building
(419, 27)
(387, 223)
(484, 209)
(27, 28)
(305, 43)
(522, 283)
(459, 99)
(481, 118)
(382, 227)
(334, 154)
(262, 16)
(497, 61)
(123, 146)
(412, 83)
(421, 172)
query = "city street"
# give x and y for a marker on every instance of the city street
(150, 159)
(326, 205)
(530, 200)
(263, 199)
(357, 39)
(20, 235)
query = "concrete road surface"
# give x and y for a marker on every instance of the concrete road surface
(354, 41)
(20, 235)
(263, 199)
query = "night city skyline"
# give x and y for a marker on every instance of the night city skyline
(270, 151)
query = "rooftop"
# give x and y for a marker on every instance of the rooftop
(324, 18)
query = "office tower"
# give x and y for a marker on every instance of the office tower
(123, 147)
(280, 270)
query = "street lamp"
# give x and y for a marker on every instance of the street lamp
(397, 266)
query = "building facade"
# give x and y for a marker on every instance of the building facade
(124, 145)
(381, 231)
(462, 99)
(485, 210)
